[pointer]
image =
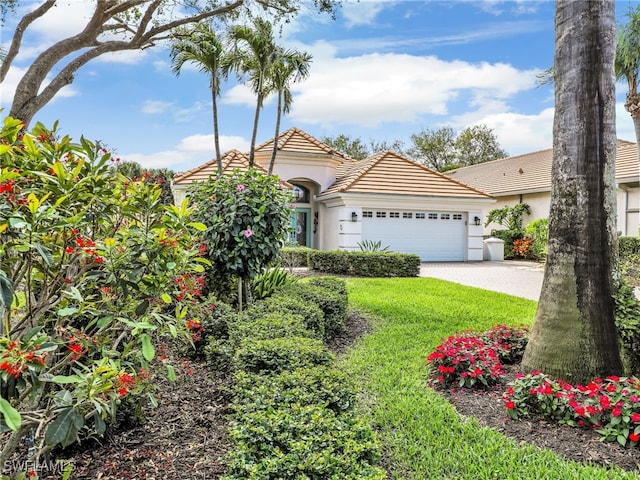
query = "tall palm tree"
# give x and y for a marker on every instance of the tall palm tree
(253, 51)
(574, 334)
(290, 66)
(627, 65)
(202, 47)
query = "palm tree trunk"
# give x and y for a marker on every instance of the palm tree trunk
(574, 336)
(256, 119)
(216, 129)
(275, 137)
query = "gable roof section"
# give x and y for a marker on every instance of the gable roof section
(390, 173)
(230, 160)
(531, 172)
(295, 140)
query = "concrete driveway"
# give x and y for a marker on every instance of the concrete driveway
(517, 278)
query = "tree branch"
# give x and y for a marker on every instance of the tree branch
(17, 36)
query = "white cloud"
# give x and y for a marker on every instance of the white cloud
(127, 57)
(624, 123)
(190, 152)
(370, 90)
(362, 12)
(11, 82)
(155, 106)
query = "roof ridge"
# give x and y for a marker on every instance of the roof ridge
(357, 170)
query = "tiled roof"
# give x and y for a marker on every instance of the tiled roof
(296, 141)
(532, 171)
(388, 172)
(230, 160)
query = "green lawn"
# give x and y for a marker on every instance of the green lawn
(420, 432)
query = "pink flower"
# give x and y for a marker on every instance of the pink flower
(248, 232)
(240, 188)
(616, 412)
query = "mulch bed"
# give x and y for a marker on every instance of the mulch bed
(580, 445)
(185, 437)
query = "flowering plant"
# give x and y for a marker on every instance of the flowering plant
(88, 268)
(611, 406)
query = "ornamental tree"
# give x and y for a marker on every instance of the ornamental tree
(247, 215)
(94, 271)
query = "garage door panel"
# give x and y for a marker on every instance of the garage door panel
(431, 239)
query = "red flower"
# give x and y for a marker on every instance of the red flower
(510, 405)
(69, 250)
(616, 412)
(635, 417)
(634, 437)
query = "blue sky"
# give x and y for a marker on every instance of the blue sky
(382, 70)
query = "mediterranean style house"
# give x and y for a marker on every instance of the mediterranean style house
(341, 202)
(527, 179)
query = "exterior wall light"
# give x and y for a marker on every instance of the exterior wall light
(476, 221)
(354, 216)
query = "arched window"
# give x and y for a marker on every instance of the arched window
(301, 194)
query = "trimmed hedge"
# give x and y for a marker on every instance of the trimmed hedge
(336, 284)
(323, 385)
(365, 264)
(291, 257)
(302, 442)
(276, 355)
(310, 312)
(332, 304)
(268, 326)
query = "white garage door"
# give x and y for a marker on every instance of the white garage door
(434, 236)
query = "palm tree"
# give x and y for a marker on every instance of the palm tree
(252, 54)
(291, 65)
(202, 47)
(627, 65)
(574, 334)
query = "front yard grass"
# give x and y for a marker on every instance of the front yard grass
(422, 435)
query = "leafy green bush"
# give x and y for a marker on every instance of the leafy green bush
(365, 264)
(628, 246)
(292, 257)
(278, 354)
(267, 282)
(332, 304)
(508, 237)
(630, 269)
(326, 386)
(627, 310)
(336, 284)
(268, 326)
(538, 231)
(310, 312)
(300, 442)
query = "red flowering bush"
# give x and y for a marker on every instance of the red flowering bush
(89, 263)
(611, 406)
(508, 342)
(522, 247)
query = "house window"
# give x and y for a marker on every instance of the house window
(407, 215)
(394, 214)
(445, 216)
(367, 214)
(433, 216)
(457, 216)
(381, 214)
(420, 216)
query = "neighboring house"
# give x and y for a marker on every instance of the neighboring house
(527, 179)
(340, 202)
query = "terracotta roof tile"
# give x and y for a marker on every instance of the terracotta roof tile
(532, 171)
(297, 141)
(388, 172)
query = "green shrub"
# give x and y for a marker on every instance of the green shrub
(268, 326)
(292, 257)
(332, 304)
(365, 264)
(301, 442)
(326, 386)
(371, 246)
(508, 237)
(267, 282)
(628, 326)
(630, 268)
(628, 246)
(313, 316)
(209, 324)
(538, 231)
(279, 354)
(336, 284)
